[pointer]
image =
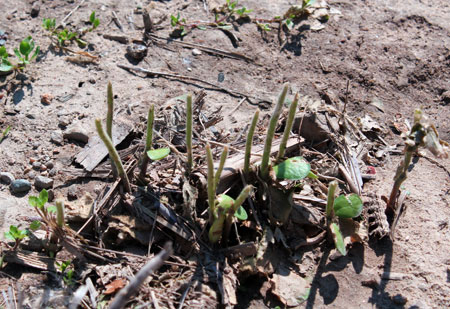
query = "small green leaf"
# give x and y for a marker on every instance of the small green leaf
(92, 17)
(36, 52)
(3, 52)
(5, 67)
(96, 23)
(312, 175)
(225, 27)
(51, 209)
(241, 214)
(348, 206)
(25, 46)
(43, 197)
(338, 239)
(34, 201)
(35, 225)
(289, 23)
(224, 201)
(293, 168)
(158, 154)
(201, 28)
(16, 51)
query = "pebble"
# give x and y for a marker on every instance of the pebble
(20, 185)
(196, 52)
(36, 145)
(446, 97)
(42, 182)
(399, 299)
(64, 121)
(56, 137)
(52, 172)
(37, 165)
(43, 168)
(46, 98)
(31, 175)
(136, 51)
(51, 195)
(49, 165)
(7, 178)
(72, 193)
(76, 133)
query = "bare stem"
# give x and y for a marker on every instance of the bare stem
(211, 183)
(237, 203)
(148, 141)
(189, 132)
(223, 158)
(288, 128)
(60, 213)
(330, 200)
(271, 132)
(113, 154)
(400, 177)
(249, 143)
(109, 120)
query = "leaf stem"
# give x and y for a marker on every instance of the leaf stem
(148, 141)
(223, 158)
(249, 143)
(109, 120)
(113, 154)
(330, 200)
(211, 182)
(288, 128)
(189, 132)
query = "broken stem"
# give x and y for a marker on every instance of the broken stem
(148, 141)
(400, 177)
(113, 154)
(237, 203)
(288, 128)
(330, 201)
(223, 158)
(189, 132)
(271, 132)
(109, 120)
(60, 213)
(249, 143)
(211, 184)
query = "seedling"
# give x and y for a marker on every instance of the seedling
(344, 207)
(422, 134)
(249, 143)
(67, 271)
(16, 234)
(94, 21)
(24, 54)
(189, 132)
(5, 133)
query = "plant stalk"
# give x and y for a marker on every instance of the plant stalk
(223, 158)
(271, 133)
(288, 128)
(400, 177)
(330, 200)
(230, 215)
(189, 132)
(249, 143)
(109, 120)
(211, 186)
(60, 213)
(113, 154)
(148, 141)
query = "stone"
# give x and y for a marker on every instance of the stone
(52, 172)
(46, 98)
(399, 299)
(76, 133)
(56, 137)
(72, 193)
(136, 51)
(31, 175)
(7, 177)
(41, 182)
(37, 165)
(196, 52)
(20, 186)
(446, 97)
(49, 165)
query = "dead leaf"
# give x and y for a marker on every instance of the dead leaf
(229, 286)
(114, 286)
(290, 288)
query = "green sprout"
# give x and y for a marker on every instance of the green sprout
(288, 128)
(94, 21)
(109, 119)
(25, 50)
(67, 271)
(271, 132)
(249, 143)
(16, 234)
(4, 133)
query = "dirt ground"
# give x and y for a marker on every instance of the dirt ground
(394, 55)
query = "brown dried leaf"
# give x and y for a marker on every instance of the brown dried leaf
(115, 286)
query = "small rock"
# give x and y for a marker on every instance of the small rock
(446, 97)
(43, 168)
(37, 165)
(51, 195)
(56, 137)
(31, 175)
(72, 193)
(76, 133)
(196, 52)
(136, 51)
(46, 98)
(36, 145)
(64, 121)
(20, 185)
(32, 160)
(399, 299)
(42, 182)
(52, 172)
(35, 9)
(7, 178)
(49, 165)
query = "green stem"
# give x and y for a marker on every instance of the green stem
(189, 132)
(237, 203)
(148, 141)
(330, 200)
(223, 158)
(249, 143)
(211, 182)
(109, 120)
(60, 213)
(288, 128)
(113, 154)
(400, 177)
(271, 133)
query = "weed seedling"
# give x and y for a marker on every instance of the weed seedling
(16, 234)
(5, 133)
(67, 272)
(24, 52)
(94, 21)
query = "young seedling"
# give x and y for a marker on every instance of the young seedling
(16, 234)
(114, 155)
(287, 128)
(148, 141)
(5, 133)
(249, 143)
(109, 120)
(94, 21)
(25, 52)
(344, 207)
(271, 132)
(5, 65)
(67, 272)
(422, 134)
(189, 132)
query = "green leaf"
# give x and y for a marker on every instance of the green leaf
(158, 154)
(36, 52)
(224, 201)
(338, 239)
(43, 197)
(51, 209)
(201, 27)
(25, 46)
(3, 52)
(92, 17)
(16, 51)
(5, 67)
(35, 225)
(312, 175)
(96, 23)
(289, 23)
(293, 168)
(349, 206)
(241, 214)
(225, 27)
